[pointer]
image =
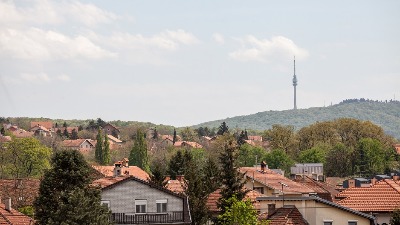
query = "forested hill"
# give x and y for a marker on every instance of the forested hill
(384, 114)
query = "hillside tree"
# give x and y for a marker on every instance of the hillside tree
(222, 129)
(138, 155)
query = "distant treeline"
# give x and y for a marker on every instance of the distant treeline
(355, 100)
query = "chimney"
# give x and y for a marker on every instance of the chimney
(396, 177)
(373, 180)
(117, 169)
(7, 204)
(271, 209)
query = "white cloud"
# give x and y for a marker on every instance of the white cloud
(42, 12)
(43, 78)
(219, 38)
(39, 44)
(264, 50)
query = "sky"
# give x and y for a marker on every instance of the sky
(182, 63)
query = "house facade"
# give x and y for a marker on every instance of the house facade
(83, 145)
(135, 201)
(317, 211)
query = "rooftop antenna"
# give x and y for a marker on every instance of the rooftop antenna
(294, 82)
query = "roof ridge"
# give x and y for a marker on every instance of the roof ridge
(392, 185)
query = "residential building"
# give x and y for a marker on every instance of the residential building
(10, 216)
(286, 215)
(314, 170)
(136, 201)
(112, 130)
(122, 168)
(83, 145)
(187, 144)
(379, 199)
(46, 124)
(356, 182)
(40, 130)
(317, 211)
(322, 189)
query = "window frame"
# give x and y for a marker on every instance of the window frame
(106, 202)
(163, 203)
(140, 203)
(352, 222)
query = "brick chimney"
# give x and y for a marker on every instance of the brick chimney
(117, 169)
(263, 166)
(180, 177)
(7, 204)
(396, 177)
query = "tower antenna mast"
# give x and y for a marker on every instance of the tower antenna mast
(294, 82)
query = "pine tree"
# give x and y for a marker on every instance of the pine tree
(65, 124)
(174, 138)
(155, 134)
(98, 154)
(65, 133)
(211, 176)
(223, 128)
(241, 139)
(231, 179)
(106, 157)
(176, 165)
(65, 194)
(138, 155)
(246, 137)
(195, 190)
(74, 134)
(158, 175)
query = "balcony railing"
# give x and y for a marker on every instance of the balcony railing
(127, 218)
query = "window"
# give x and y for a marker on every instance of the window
(327, 222)
(105, 203)
(259, 190)
(140, 206)
(352, 223)
(161, 206)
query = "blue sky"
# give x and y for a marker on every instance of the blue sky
(185, 62)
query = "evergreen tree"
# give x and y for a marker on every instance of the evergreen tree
(174, 138)
(59, 133)
(195, 190)
(65, 124)
(80, 128)
(98, 154)
(176, 165)
(223, 128)
(232, 180)
(241, 139)
(65, 194)
(246, 136)
(65, 133)
(3, 131)
(138, 155)
(238, 212)
(211, 176)
(106, 157)
(155, 134)
(158, 175)
(74, 134)
(56, 126)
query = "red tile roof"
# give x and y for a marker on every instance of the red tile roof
(383, 196)
(255, 138)
(273, 180)
(113, 139)
(21, 191)
(192, 144)
(213, 198)
(46, 124)
(176, 186)
(135, 171)
(20, 133)
(287, 215)
(75, 143)
(323, 190)
(13, 217)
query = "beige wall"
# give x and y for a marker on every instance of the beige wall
(315, 213)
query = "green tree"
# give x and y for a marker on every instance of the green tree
(281, 137)
(195, 189)
(187, 134)
(65, 133)
(158, 175)
(3, 131)
(25, 157)
(74, 134)
(231, 179)
(395, 218)
(241, 138)
(278, 159)
(106, 156)
(316, 154)
(174, 138)
(138, 155)
(339, 161)
(211, 173)
(59, 133)
(369, 157)
(222, 129)
(250, 155)
(98, 154)
(238, 213)
(65, 124)
(155, 134)
(65, 195)
(176, 165)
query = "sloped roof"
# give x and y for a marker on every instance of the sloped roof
(175, 186)
(383, 196)
(109, 124)
(46, 124)
(13, 217)
(108, 171)
(192, 144)
(287, 215)
(22, 191)
(114, 139)
(323, 190)
(20, 133)
(212, 200)
(273, 180)
(74, 143)
(39, 127)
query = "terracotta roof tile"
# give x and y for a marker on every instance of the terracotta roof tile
(323, 190)
(383, 196)
(13, 217)
(135, 171)
(175, 186)
(288, 214)
(75, 143)
(21, 191)
(46, 124)
(272, 180)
